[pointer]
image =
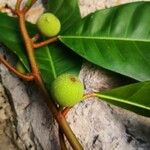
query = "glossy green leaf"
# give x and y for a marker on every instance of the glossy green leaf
(10, 36)
(117, 39)
(56, 59)
(134, 97)
(66, 10)
(53, 60)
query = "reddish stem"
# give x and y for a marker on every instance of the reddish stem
(66, 110)
(40, 44)
(30, 3)
(11, 9)
(89, 95)
(17, 9)
(27, 77)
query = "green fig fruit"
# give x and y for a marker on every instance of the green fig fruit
(48, 24)
(20, 67)
(67, 90)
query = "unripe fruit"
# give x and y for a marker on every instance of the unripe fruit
(48, 24)
(67, 90)
(20, 67)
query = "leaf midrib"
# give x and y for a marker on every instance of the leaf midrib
(101, 95)
(9, 28)
(51, 62)
(103, 38)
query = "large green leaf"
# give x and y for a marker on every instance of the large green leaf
(117, 39)
(134, 97)
(10, 36)
(66, 10)
(52, 59)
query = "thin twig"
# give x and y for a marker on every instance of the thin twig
(28, 5)
(43, 43)
(66, 110)
(27, 77)
(17, 8)
(11, 9)
(89, 95)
